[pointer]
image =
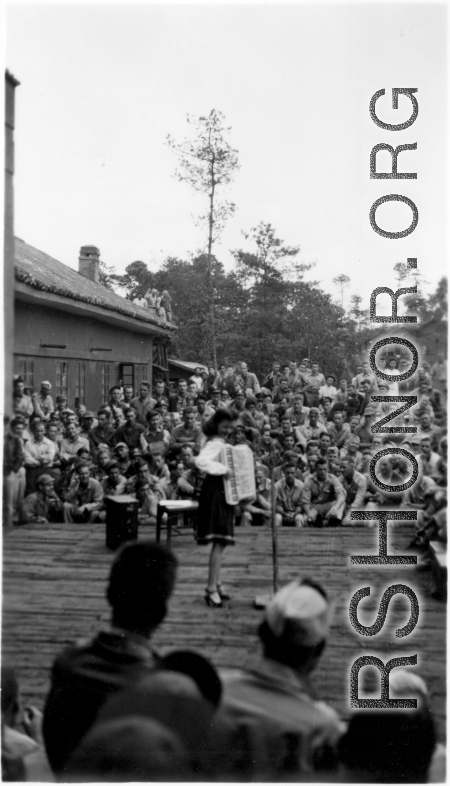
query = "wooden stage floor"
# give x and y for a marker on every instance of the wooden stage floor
(54, 580)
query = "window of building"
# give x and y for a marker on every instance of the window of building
(62, 378)
(80, 382)
(25, 369)
(105, 382)
(126, 374)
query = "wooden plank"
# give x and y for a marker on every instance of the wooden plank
(54, 593)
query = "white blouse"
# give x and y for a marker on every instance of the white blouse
(208, 458)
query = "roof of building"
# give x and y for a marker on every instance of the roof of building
(186, 365)
(42, 272)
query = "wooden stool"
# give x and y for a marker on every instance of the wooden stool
(173, 506)
(121, 520)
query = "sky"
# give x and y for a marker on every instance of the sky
(103, 85)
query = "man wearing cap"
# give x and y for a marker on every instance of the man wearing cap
(61, 406)
(280, 731)
(122, 458)
(43, 402)
(214, 402)
(42, 505)
(315, 380)
(323, 497)
(87, 422)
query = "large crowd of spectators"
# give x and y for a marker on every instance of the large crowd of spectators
(310, 435)
(119, 711)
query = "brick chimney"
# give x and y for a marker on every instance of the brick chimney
(89, 263)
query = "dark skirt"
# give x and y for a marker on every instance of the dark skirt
(215, 519)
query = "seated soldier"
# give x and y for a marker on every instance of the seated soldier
(239, 436)
(70, 445)
(169, 419)
(43, 505)
(311, 429)
(352, 451)
(84, 498)
(160, 470)
(354, 484)
(103, 433)
(297, 412)
(100, 470)
(148, 502)
(122, 457)
(311, 460)
(84, 676)
(115, 483)
(282, 733)
(155, 439)
(143, 473)
(289, 505)
(201, 410)
(324, 444)
(339, 431)
(323, 497)
(259, 511)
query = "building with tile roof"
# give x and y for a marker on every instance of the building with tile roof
(77, 333)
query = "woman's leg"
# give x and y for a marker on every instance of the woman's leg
(215, 559)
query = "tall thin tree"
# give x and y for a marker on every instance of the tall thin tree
(341, 282)
(208, 163)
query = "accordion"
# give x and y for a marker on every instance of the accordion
(240, 485)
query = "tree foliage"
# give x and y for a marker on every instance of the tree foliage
(264, 308)
(208, 163)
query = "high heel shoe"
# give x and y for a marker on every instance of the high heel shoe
(213, 599)
(223, 595)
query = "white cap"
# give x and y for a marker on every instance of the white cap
(301, 609)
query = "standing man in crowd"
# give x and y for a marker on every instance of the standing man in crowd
(143, 403)
(43, 402)
(314, 382)
(179, 400)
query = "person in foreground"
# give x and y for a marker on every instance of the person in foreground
(84, 676)
(215, 518)
(394, 746)
(280, 730)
